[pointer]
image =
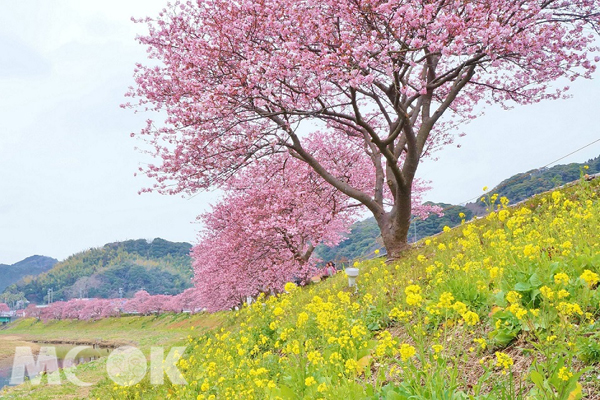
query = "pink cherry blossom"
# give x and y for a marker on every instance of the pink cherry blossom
(244, 81)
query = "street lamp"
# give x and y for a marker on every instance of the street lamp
(351, 273)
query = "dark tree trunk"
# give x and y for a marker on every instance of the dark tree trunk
(395, 226)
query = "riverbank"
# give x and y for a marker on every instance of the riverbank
(9, 343)
(143, 332)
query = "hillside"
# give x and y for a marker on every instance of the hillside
(361, 240)
(525, 185)
(363, 237)
(33, 265)
(158, 266)
(504, 307)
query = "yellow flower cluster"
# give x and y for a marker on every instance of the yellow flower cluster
(413, 295)
(407, 351)
(504, 361)
(564, 374)
(589, 277)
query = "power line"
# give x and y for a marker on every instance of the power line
(526, 174)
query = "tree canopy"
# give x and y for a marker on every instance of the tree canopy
(241, 81)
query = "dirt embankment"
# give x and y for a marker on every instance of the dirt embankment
(8, 344)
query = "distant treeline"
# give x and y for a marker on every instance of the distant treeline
(363, 238)
(33, 265)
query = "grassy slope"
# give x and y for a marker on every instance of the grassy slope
(499, 308)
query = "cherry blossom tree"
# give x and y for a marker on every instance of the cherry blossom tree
(98, 308)
(4, 307)
(73, 309)
(53, 311)
(32, 311)
(137, 303)
(142, 302)
(157, 304)
(189, 300)
(264, 231)
(241, 81)
(111, 308)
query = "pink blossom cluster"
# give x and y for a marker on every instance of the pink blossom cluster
(263, 231)
(4, 307)
(236, 77)
(93, 309)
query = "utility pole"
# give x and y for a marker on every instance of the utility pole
(415, 223)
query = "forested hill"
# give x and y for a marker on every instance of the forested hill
(525, 185)
(33, 265)
(363, 238)
(158, 266)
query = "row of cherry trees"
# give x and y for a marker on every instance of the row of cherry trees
(92, 309)
(274, 213)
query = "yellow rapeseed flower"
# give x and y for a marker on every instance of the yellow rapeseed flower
(513, 297)
(503, 360)
(310, 381)
(351, 365)
(547, 292)
(413, 295)
(290, 287)
(564, 374)
(482, 343)
(561, 278)
(302, 318)
(446, 300)
(589, 277)
(470, 318)
(407, 351)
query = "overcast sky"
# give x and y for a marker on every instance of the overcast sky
(67, 162)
